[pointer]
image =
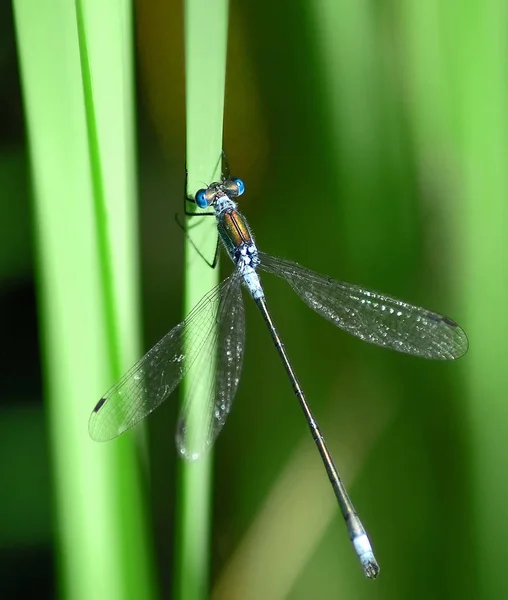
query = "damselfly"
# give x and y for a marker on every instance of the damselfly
(212, 337)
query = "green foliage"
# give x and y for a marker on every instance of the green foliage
(82, 159)
(372, 140)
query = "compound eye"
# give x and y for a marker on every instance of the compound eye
(240, 186)
(200, 199)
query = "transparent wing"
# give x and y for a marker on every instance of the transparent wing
(370, 316)
(152, 379)
(210, 395)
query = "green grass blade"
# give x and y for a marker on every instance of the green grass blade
(476, 35)
(205, 80)
(83, 163)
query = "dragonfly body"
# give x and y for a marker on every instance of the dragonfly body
(211, 341)
(236, 236)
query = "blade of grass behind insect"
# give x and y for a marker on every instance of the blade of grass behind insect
(84, 213)
(427, 38)
(476, 33)
(205, 84)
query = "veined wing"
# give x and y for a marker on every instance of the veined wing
(154, 377)
(373, 317)
(214, 377)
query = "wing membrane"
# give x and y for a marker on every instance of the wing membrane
(373, 317)
(155, 376)
(209, 399)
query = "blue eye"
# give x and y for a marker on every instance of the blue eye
(240, 185)
(200, 199)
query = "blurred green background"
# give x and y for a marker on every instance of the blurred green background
(372, 137)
